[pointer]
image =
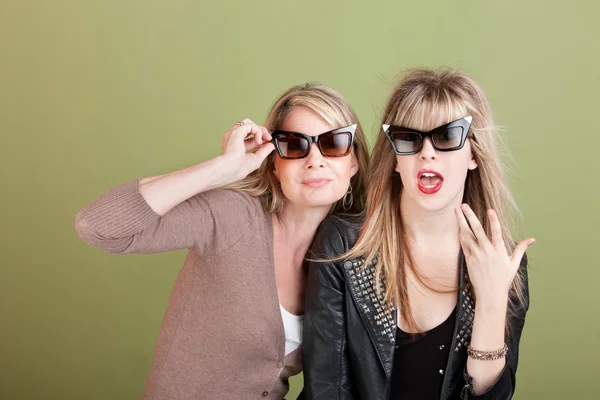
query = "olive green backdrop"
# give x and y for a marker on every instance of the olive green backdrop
(94, 93)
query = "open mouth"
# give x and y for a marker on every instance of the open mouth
(429, 181)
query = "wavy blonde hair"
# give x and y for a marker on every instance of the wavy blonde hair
(334, 109)
(424, 99)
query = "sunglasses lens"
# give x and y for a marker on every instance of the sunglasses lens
(449, 138)
(293, 146)
(406, 142)
(335, 144)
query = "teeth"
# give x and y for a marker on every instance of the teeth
(428, 175)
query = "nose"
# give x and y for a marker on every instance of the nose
(428, 152)
(314, 159)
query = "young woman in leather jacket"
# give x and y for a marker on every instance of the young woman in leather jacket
(425, 296)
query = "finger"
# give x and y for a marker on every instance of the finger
(475, 224)
(242, 122)
(466, 236)
(254, 133)
(245, 121)
(264, 151)
(496, 230)
(256, 139)
(465, 245)
(244, 131)
(519, 250)
(266, 134)
(250, 144)
(263, 137)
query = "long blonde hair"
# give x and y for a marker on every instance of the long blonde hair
(334, 109)
(424, 99)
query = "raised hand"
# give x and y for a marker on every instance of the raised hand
(247, 144)
(491, 269)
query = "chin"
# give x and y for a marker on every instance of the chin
(431, 202)
(434, 206)
(321, 199)
(315, 202)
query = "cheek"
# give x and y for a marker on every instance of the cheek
(280, 168)
(467, 163)
(287, 172)
(276, 167)
(343, 167)
(458, 169)
(402, 166)
(285, 183)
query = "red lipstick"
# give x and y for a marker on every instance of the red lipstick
(429, 181)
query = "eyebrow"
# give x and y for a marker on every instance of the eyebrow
(301, 133)
(317, 134)
(469, 119)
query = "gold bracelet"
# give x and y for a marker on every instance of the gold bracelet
(487, 355)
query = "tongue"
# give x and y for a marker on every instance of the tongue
(430, 181)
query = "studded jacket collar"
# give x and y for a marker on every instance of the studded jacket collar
(349, 333)
(381, 321)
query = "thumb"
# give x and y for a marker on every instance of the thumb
(520, 249)
(263, 151)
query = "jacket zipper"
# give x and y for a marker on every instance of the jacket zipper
(468, 388)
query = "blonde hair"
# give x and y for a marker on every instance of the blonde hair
(424, 99)
(334, 109)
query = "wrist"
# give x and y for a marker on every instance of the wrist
(227, 169)
(492, 304)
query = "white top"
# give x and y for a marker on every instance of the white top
(293, 326)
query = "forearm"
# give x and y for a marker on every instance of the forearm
(163, 192)
(488, 334)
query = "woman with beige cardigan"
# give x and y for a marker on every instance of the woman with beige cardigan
(233, 325)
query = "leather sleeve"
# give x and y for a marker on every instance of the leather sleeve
(326, 370)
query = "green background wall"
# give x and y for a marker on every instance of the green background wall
(94, 93)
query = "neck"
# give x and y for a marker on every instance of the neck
(296, 225)
(430, 229)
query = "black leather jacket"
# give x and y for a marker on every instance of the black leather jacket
(348, 344)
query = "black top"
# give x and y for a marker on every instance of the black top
(419, 362)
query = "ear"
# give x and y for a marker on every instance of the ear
(275, 172)
(353, 165)
(472, 163)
